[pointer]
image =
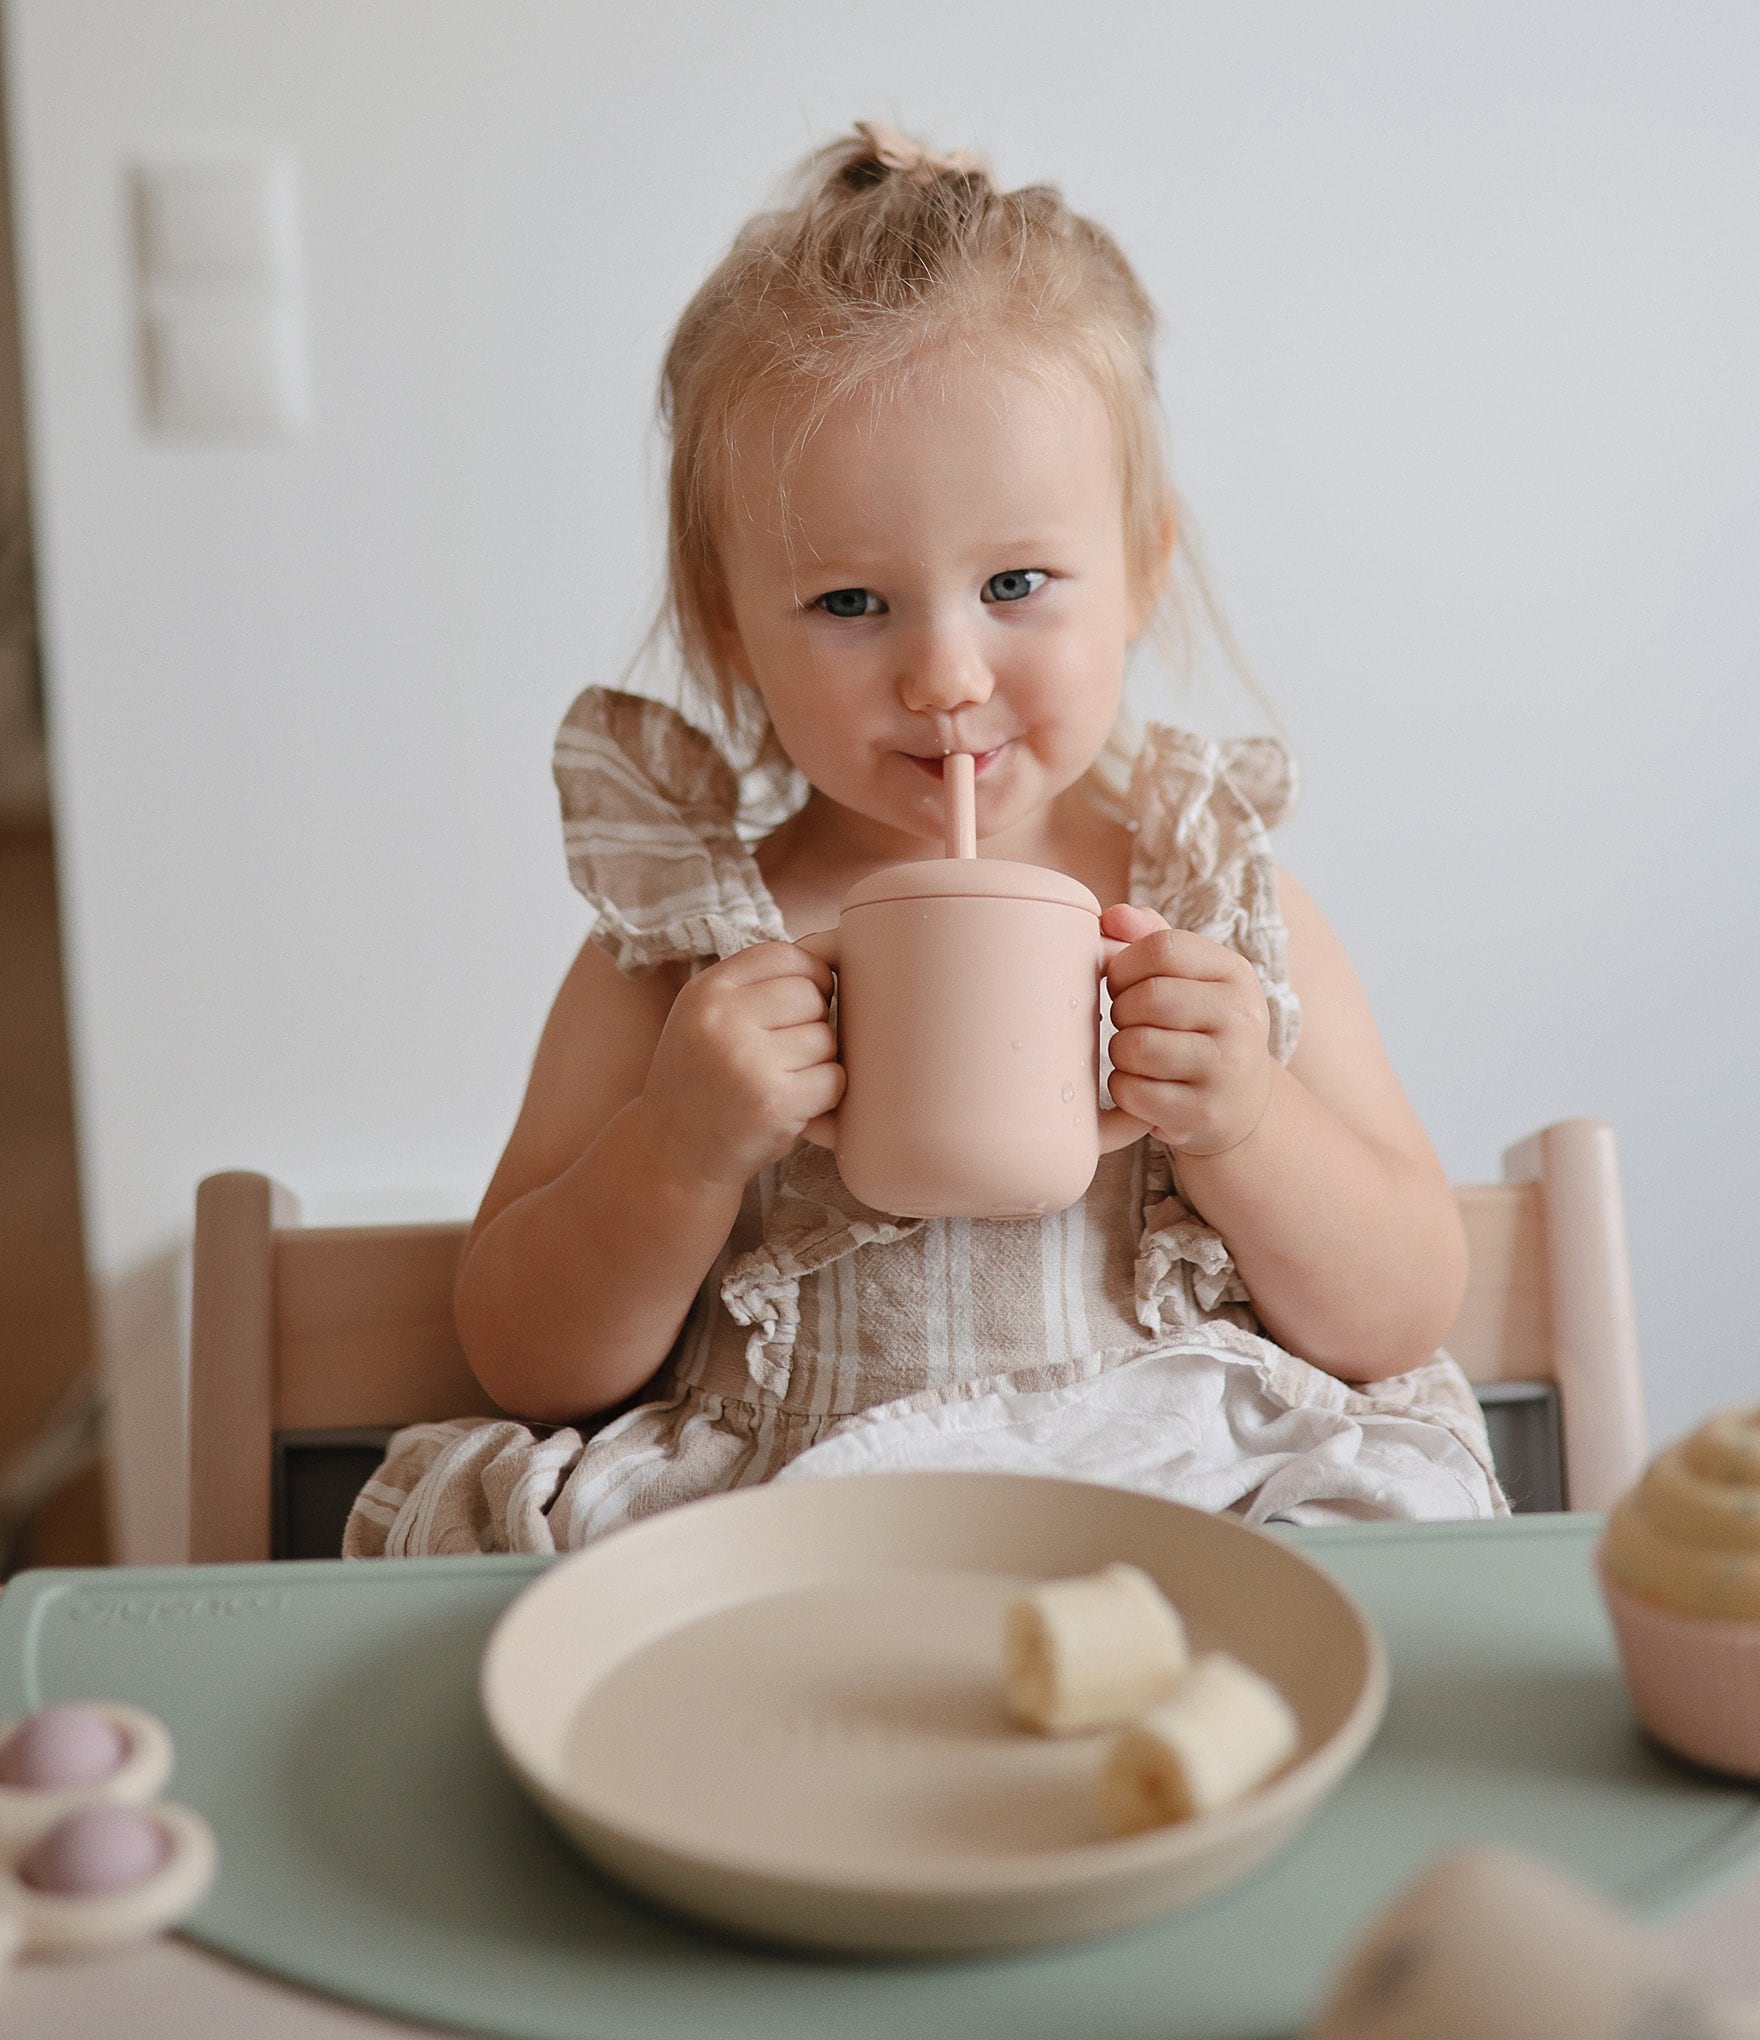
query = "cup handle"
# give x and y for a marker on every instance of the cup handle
(823, 944)
(1117, 1127)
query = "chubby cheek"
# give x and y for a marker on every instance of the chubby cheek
(807, 735)
(801, 696)
(1073, 701)
(821, 729)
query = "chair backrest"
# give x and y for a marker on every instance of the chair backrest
(300, 1329)
(1549, 1299)
(348, 1330)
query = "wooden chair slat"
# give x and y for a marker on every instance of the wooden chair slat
(350, 1327)
(1504, 1330)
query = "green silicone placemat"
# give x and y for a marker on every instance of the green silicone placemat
(372, 1846)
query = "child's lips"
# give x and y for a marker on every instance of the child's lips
(933, 766)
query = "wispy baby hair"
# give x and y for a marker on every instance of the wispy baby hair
(888, 254)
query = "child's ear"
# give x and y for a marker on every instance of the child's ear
(1153, 584)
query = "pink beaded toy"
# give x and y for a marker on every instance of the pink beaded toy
(89, 1855)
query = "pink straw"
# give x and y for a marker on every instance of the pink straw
(959, 805)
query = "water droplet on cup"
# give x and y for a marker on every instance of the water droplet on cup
(1073, 1004)
(1069, 1092)
(1015, 1044)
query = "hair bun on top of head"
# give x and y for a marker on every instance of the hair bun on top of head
(883, 151)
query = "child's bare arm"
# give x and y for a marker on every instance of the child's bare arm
(651, 1102)
(1318, 1174)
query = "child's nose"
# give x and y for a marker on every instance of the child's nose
(942, 670)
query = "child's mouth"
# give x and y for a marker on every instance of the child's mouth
(933, 766)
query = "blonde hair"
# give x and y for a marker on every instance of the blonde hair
(887, 254)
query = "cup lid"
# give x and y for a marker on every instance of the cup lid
(970, 878)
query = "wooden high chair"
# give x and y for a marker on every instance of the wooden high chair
(310, 1344)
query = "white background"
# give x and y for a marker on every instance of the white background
(1462, 328)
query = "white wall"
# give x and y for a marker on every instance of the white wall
(1462, 311)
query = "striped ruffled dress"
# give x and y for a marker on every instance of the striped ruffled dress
(1113, 1341)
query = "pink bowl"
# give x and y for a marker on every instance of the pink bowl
(1694, 1679)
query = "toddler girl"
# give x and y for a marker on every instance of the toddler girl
(918, 501)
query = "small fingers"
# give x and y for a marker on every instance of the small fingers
(767, 961)
(1192, 1118)
(1164, 1055)
(1172, 952)
(1128, 922)
(1189, 1005)
(820, 1089)
(806, 1046)
(748, 998)
(1161, 1105)
(789, 1000)
(814, 967)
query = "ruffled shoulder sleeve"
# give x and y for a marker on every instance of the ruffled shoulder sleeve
(1202, 856)
(654, 824)
(1264, 771)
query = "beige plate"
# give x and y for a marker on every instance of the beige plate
(781, 1710)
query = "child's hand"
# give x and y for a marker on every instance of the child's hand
(746, 1058)
(1192, 1053)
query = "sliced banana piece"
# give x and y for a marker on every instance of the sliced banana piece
(1222, 1731)
(1091, 1652)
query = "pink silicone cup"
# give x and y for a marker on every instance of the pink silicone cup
(1694, 1680)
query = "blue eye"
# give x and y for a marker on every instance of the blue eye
(850, 602)
(1015, 585)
